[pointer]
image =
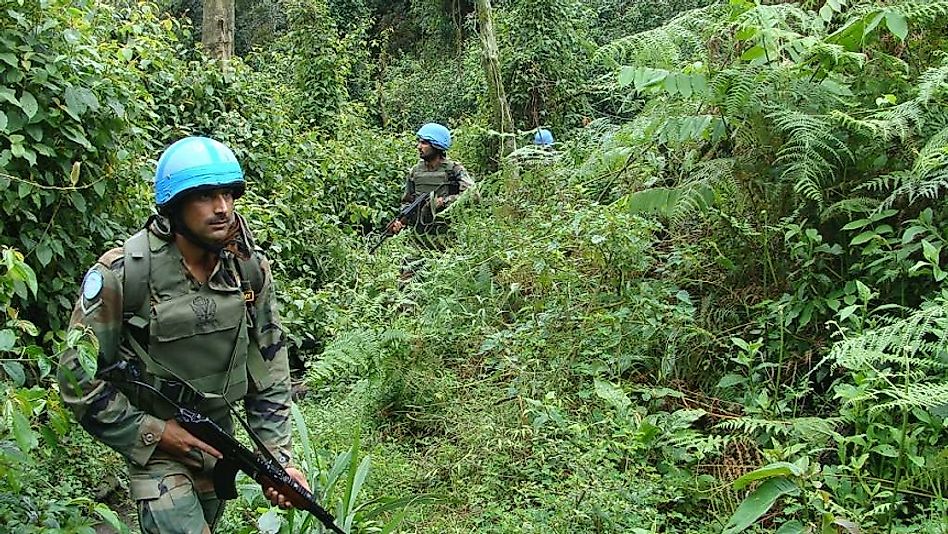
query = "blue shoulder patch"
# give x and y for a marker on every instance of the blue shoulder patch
(92, 284)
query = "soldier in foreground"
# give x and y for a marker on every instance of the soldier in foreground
(190, 303)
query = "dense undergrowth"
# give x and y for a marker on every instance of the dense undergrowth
(716, 305)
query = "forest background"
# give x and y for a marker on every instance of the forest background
(716, 304)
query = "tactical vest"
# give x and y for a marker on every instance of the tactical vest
(443, 181)
(199, 337)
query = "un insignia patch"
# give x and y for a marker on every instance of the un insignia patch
(91, 288)
(92, 284)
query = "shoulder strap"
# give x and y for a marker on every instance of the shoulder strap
(250, 268)
(135, 285)
(454, 179)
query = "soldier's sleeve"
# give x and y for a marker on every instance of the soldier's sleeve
(103, 410)
(464, 183)
(268, 410)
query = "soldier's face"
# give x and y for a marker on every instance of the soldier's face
(209, 214)
(425, 150)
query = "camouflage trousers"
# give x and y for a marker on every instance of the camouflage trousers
(176, 496)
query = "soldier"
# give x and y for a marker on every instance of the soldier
(190, 302)
(543, 138)
(435, 175)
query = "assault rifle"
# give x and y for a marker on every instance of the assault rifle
(404, 215)
(260, 466)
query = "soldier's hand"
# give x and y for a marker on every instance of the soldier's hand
(277, 498)
(179, 442)
(396, 226)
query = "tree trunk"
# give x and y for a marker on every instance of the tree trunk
(502, 117)
(217, 28)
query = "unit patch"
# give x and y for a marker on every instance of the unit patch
(205, 309)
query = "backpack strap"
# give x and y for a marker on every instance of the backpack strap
(251, 270)
(136, 309)
(454, 179)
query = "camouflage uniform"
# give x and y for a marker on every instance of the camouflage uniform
(449, 180)
(198, 332)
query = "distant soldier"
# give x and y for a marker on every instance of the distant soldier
(435, 175)
(543, 137)
(190, 303)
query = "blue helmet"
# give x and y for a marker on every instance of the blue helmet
(436, 134)
(543, 137)
(196, 163)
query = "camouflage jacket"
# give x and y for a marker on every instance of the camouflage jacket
(108, 413)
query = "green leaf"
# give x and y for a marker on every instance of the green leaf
(684, 85)
(24, 273)
(28, 104)
(106, 514)
(846, 312)
(626, 76)
(24, 435)
(7, 339)
(753, 53)
(78, 201)
(740, 343)
(394, 522)
(758, 503)
(910, 234)
(74, 106)
(897, 24)
(699, 84)
(873, 23)
(863, 238)
(776, 469)
(859, 223)
(792, 527)
(612, 394)
(44, 254)
(3, 121)
(731, 379)
(931, 252)
(15, 372)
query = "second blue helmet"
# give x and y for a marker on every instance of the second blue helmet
(543, 137)
(436, 134)
(196, 163)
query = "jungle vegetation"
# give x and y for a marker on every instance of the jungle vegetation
(717, 304)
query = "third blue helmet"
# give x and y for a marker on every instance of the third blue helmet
(543, 137)
(196, 163)
(436, 134)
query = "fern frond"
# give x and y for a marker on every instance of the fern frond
(923, 12)
(678, 40)
(849, 206)
(906, 356)
(809, 153)
(933, 82)
(354, 352)
(924, 395)
(810, 429)
(929, 174)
